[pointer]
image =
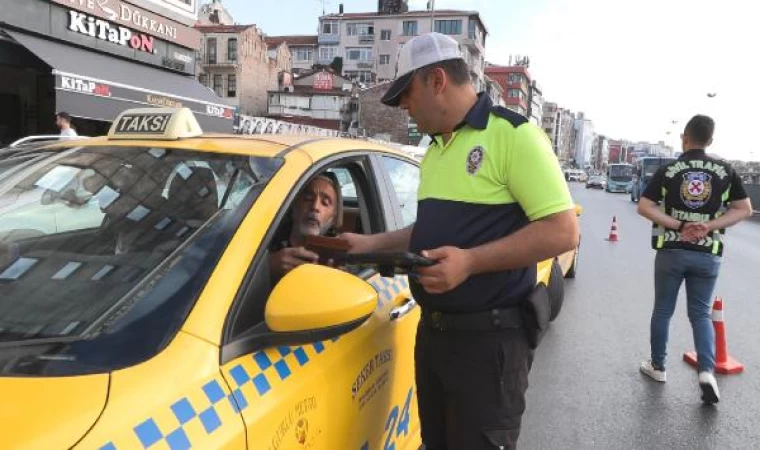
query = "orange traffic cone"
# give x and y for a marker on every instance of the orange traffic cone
(724, 363)
(613, 237)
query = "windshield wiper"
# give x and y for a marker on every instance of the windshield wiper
(40, 341)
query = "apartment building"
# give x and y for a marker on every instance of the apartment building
(234, 61)
(303, 50)
(516, 83)
(369, 42)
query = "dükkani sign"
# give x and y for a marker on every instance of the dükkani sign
(126, 15)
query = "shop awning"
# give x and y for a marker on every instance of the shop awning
(96, 86)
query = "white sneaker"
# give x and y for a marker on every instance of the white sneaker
(709, 387)
(648, 369)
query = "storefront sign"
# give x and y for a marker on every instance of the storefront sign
(106, 31)
(164, 102)
(85, 86)
(139, 96)
(323, 81)
(218, 111)
(126, 15)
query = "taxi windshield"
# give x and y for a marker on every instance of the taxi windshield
(94, 240)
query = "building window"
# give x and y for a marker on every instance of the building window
(410, 28)
(211, 50)
(385, 60)
(330, 28)
(231, 85)
(514, 93)
(232, 50)
(303, 54)
(218, 85)
(361, 54)
(472, 26)
(514, 78)
(328, 52)
(360, 29)
(203, 79)
(362, 76)
(385, 35)
(453, 27)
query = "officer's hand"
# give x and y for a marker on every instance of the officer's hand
(694, 231)
(289, 258)
(357, 243)
(452, 268)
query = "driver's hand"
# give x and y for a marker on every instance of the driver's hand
(357, 243)
(289, 258)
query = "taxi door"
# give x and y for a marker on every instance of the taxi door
(329, 394)
(396, 424)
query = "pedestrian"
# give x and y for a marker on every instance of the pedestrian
(690, 202)
(492, 202)
(63, 121)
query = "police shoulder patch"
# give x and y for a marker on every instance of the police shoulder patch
(475, 159)
(516, 119)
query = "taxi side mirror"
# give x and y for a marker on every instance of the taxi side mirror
(313, 297)
(310, 304)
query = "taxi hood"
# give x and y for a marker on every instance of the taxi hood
(50, 412)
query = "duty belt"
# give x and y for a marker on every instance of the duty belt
(495, 319)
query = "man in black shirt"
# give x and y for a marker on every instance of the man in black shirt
(690, 202)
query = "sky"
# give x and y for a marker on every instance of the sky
(633, 67)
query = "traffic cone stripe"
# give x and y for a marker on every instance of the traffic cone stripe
(717, 315)
(613, 236)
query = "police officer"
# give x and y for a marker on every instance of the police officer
(492, 202)
(700, 196)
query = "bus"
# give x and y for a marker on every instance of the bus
(643, 171)
(619, 177)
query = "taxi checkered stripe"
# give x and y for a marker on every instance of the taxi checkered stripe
(253, 378)
(388, 288)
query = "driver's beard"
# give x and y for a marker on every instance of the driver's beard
(305, 229)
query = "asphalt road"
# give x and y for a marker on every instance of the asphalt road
(586, 390)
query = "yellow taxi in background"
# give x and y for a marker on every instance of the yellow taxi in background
(137, 308)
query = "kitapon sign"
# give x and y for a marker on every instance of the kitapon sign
(120, 14)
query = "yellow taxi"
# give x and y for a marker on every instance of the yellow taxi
(137, 308)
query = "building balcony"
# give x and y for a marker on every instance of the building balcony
(218, 64)
(328, 38)
(366, 39)
(473, 44)
(364, 65)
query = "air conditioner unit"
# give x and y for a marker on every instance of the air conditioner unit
(289, 89)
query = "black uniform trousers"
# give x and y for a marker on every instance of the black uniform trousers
(471, 387)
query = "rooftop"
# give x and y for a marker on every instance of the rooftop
(424, 13)
(222, 28)
(275, 41)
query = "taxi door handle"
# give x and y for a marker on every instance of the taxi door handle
(403, 310)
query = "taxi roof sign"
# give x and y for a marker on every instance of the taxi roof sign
(155, 123)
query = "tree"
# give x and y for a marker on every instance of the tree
(337, 65)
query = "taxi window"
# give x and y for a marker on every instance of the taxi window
(405, 180)
(102, 241)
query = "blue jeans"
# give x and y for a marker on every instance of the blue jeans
(700, 271)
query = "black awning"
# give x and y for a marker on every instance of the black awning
(95, 86)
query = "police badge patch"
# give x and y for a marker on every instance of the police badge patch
(696, 189)
(475, 159)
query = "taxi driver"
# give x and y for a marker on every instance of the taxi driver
(317, 211)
